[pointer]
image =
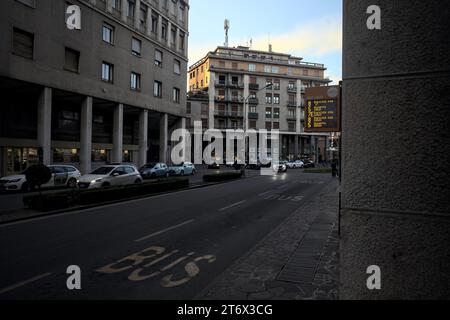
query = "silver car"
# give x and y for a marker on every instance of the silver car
(108, 176)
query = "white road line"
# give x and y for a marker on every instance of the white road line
(283, 186)
(232, 205)
(23, 283)
(163, 231)
(263, 194)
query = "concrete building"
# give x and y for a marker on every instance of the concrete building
(395, 166)
(110, 91)
(229, 89)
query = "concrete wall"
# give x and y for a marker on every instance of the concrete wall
(395, 183)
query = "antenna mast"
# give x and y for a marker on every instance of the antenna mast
(226, 27)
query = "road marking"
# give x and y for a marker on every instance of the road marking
(283, 186)
(263, 194)
(163, 231)
(23, 283)
(232, 205)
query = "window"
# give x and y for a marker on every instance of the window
(268, 98)
(135, 83)
(235, 65)
(136, 45)
(222, 64)
(164, 31)
(182, 41)
(268, 113)
(252, 109)
(275, 69)
(276, 98)
(158, 58)
(130, 9)
(188, 108)
(269, 126)
(176, 95)
(116, 5)
(276, 113)
(222, 79)
(291, 126)
(23, 43)
(305, 72)
(267, 69)
(72, 60)
(252, 67)
(276, 125)
(107, 72)
(291, 100)
(108, 33)
(182, 8)
(291, 85)
(176, 66)
(173, 37)
(205, 109)
(252, 124)
(268, 84)
(154, 23)
(253, 80)
(157, 89)
(143, 15)
(276, 84)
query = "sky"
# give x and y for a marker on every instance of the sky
(308, 29)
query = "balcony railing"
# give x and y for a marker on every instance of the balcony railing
(253, 86)
(236, 85)
(292, 104)
(228, 113)
(291, 116)
(219, 83)
(253, 101)
(253, 115)
(292, 89)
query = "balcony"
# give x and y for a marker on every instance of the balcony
(236, 85)
(253, 86)
(292, 89)
(228, 113)
(221, 98)
(253, 115)
(236, 99)
(253, 101)
(291, 117)
(220, 84)
(292, 104)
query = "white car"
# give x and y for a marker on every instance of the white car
(108, 176)
(187, 168)
(295, 164)
(62, 176)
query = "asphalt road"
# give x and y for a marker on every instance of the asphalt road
(165, 247)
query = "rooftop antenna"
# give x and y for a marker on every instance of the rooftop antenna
(226, 27)
(270, 45)
(251, 43)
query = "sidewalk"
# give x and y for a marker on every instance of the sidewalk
(297, 261)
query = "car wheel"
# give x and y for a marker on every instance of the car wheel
(138, 181)
(182, 173)
(153, 176)
(193, 172)
(72, 183)
(25, 187)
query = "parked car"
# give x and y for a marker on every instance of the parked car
(154, 170)
(281, 166)
(186, 168)
(214, 166)
(62, 176)
(295, 164)
(108, 176)
(308, 164)
(253, 166)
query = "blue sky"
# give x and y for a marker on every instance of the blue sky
(309, 29)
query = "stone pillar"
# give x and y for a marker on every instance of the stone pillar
(44, 133)
(86, 136)
(117, 152)
(124, 10)
(212, 94)
(160, 25)
(299, 105)
(395, 204)
(149, 21)
(163, 137)
(143, 137)
(296, 142)
(246, 104)
(137, 14)
(109, 6)
(169, 33)
(177, 40)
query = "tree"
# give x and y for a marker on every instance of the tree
(37, 175)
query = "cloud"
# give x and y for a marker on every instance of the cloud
(318, 38)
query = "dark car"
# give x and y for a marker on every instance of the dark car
(214, 166)
(308, 164)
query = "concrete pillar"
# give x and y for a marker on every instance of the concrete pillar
(143, 137)
(299, 105)
(211, 94)
(296, 142)
(117, 151)
(160, 25)
(177, 40)
(149, 21)
(45, 125)
(137, 14)
(169, 33)
(163, 137)
(109, 6)
(86, 136)
(124, 10)
(246, 104)
(395, 166)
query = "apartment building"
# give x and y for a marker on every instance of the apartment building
(241, 88)
(108, 90)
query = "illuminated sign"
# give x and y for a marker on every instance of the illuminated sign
(322, 110)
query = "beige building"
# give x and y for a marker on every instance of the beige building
(241, 88)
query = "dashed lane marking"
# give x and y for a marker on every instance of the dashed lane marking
(164, 231)
(24, 283)
(232, 206)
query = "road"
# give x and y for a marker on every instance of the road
(164, 247)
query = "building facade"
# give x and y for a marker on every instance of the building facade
(241, 88)
(108, 91)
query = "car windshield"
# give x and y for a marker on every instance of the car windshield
(149, 166)
(102, 171)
